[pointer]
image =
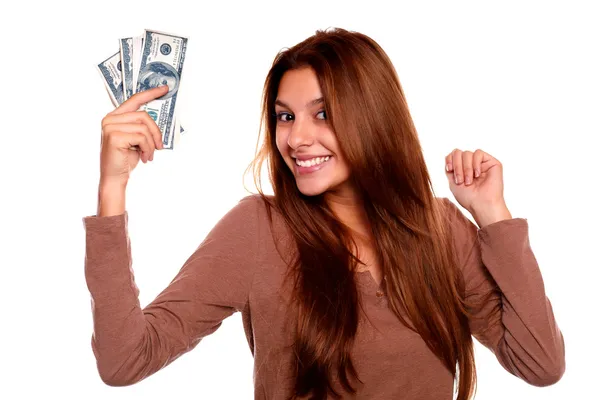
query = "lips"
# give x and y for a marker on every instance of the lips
(311, 165)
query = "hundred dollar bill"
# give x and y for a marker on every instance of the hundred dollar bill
(161, 63)
(137, 44)
(110, 70)
(137, 47)
(126, 50)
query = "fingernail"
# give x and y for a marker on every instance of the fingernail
(448, 167)
(468, 180)
(476, 173)
(456, 179)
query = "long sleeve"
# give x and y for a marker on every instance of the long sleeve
(511, 314)
(131, 343)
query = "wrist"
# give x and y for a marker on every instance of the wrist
(490, 213)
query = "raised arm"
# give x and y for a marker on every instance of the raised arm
(131, 343)
(511, 314)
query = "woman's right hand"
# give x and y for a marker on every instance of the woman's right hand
(124, 128)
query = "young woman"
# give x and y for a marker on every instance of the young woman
(353, 280)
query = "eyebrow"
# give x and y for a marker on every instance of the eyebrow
(309, 104)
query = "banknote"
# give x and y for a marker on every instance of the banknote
(110, 70)
(161, 63)
(137, 47)
(120, 73)
(126, 50)
(136, 53)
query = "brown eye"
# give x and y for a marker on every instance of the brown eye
(286, 117)
(323, 113)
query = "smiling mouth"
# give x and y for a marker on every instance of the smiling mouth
(312, 162)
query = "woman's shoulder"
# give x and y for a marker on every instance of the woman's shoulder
(259, 213)
(453, 214)
(256, 201)
(260, 208)
(463, 230)
(245, 223)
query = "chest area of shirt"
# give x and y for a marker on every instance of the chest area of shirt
(379, 329)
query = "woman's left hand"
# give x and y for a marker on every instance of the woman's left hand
(476, 182)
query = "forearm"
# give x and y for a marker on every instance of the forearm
(111, 199)
(530, 343)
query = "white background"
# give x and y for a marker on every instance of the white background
(517, 79)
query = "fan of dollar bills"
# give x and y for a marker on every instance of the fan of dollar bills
(144, 62)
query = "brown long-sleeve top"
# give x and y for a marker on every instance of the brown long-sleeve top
(237, 267)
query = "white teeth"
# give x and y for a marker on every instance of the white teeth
(312, 162)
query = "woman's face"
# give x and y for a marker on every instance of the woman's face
(304, 138)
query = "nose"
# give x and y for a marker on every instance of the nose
(301, 134)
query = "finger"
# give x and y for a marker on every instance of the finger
(467, 160)
(488, 162)
(140, 141)
(139, 99)
(137, 117)
(448, 161)
(135, 128)
(457, 166)
(155, 132)
(132, 141)
(477, 159)
(128, 129)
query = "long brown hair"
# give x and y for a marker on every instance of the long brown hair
(367, 110)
